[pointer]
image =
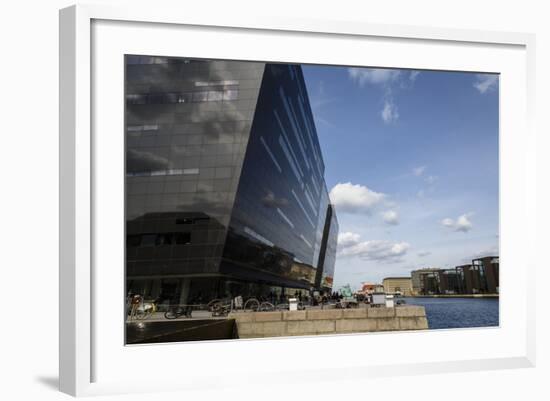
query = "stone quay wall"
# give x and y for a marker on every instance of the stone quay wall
(329, 321)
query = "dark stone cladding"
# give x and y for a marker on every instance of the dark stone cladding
(225, 191)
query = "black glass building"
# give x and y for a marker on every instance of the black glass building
(225, 190)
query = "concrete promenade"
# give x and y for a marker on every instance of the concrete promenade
(329, 321)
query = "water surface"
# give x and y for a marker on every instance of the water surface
(452, 313)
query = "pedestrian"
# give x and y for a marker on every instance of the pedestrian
(136, 301)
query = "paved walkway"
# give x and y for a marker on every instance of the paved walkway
(203, 314)
(159, 317)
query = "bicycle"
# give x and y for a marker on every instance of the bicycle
(266, 307)
(219, 307)
(252, 305)
(144, 310)
(176, 311)
(221, 310)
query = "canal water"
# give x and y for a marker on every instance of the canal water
(451, 313)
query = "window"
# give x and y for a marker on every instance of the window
(200, 96)
(305, 240)
(155, 173)
(136, 99)
(217, 83)
(139, 128)
(292, 119)
(310, 201)
(257, 236)
(286, 151)
(230, 94)
(155, 98)
(283, 133)
(270, 154)
(171, 98)
(164, 239)
(215, 96)
(184, 98)
(285, 218)
(303, 209)
(148, 239)
(133, 240)
(182, 238)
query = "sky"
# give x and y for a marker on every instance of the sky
(411, 165)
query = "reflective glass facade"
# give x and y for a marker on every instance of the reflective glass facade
(225, 192)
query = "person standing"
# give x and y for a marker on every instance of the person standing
(136, 301)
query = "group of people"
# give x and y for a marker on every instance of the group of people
(283, 298)
(304, 297)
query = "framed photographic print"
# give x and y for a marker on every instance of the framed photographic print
(239, 191)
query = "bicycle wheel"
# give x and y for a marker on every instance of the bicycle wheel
(266, 307)
(252, 305)
(219, 310)
(213, 304)
(170, 314)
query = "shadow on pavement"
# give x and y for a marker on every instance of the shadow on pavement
(49, 381)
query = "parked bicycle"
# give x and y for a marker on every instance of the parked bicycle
(266, 307)
(220, 310)
(177, 311)
(143, 310)
(221, 307)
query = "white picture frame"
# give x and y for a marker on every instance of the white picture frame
(82, 344)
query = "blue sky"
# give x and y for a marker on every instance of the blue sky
(411, 165)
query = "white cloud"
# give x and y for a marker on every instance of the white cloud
(348, 239)
(389, 80)
(270, 200)
(355, 198)
(350, 245)
(418, 171)
(462, 223)
(486, 82)
(374, 76)
(318, 101)
(413, 75)
(389, 113)
(391, 217)
(378, 250)
(423, 254)
(448, 222)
